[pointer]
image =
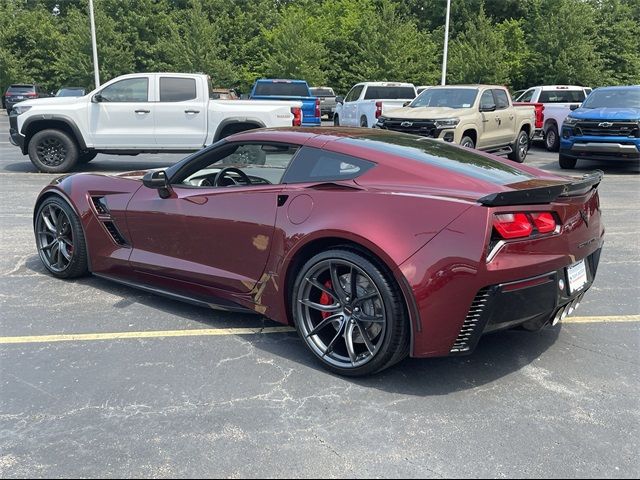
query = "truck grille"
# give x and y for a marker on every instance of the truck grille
(471, 323)
(614, 129)
(425, 128)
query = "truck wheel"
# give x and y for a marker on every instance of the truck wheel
(87, 157)
(520, 147)
(552, 139)
(336, 120)
(567, 163)
(363, 122)
(330, 116)
(53, 151)
(467, 142)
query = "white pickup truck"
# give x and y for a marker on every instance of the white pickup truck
(367, 101)
(137, 113)
(558, 101)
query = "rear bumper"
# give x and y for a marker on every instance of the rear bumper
(532, 301)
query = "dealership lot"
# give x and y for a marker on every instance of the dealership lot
(111, 381)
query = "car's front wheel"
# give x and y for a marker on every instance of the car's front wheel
(53, 151)
(350, 313)
(60, 239)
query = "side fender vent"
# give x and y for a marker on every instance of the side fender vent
(115, 233)
(472, 324)
(100, 204)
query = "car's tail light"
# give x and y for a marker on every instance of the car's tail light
(523, 224)
(297, 116)
(378, 109)
(30, 94)
(539, 116)
(544, 222)
(317, 114)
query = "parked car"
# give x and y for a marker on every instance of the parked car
(287, 90)
(223, 94)
(558, 101)
(71, 92)
(367, 101)
(137, 113)
(515, 95)
(327, 100)
(605, 127)
(22, 91)
(421, 89)
(474, 116)
(376, 245)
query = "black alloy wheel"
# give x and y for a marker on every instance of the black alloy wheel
(53, 151)
(349, 313)
(60, 239)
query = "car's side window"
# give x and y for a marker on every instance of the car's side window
(129, 90)
(317, 165)
(354, 94)
(247, 163)
(502, 101)
(487, 100)
(177, 89)
(527, 96)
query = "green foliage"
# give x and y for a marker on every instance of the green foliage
(333, 42)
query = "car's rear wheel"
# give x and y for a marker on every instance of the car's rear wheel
(60, 239)
(350, 313)
(363, 122)
(552, 139)
(567, 163)
(520, 148)
(53, 151)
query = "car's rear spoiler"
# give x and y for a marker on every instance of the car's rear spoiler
(538, 195)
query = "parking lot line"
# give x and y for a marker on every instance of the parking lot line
(203, 332)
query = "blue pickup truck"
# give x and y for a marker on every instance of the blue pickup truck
(605, 127)
(269, 89)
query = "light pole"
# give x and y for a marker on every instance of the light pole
(446, 44)
(96, 71)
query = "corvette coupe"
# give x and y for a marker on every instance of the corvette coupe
(375, 245)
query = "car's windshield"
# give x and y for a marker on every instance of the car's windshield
(70, 92)
(613, 98)
(389, 93)
(282, 89)
(322, 92)
(446, 97)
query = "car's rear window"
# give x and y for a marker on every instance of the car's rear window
(322, 92)
(441, 155)
(561, 96)
(21, 88)
(389, 93)
(282, 89)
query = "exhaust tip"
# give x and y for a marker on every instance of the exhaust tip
(558, 317)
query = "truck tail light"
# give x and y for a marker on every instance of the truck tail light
(540, 116)
(522, 225)
(378, 109)
(297, 116)
(317, 114)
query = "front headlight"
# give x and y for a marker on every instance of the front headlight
(20, 109)
(570, 121)
(447, 123)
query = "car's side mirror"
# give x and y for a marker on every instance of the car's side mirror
(488, 108)
(574, 107)
(157, 179)
(97, 98)
(339, 99)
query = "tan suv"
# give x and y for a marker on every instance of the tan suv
(474, 116)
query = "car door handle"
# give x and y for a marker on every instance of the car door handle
(143, 111)
(192, 112)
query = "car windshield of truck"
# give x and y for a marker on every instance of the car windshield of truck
(322, 92)
(389, 93)
(281, 89)
(70, 92)
(446, 97)
(561, 96)
(618, 98)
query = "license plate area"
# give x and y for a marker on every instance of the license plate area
(577, 275)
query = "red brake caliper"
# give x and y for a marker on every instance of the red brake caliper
(325, 299)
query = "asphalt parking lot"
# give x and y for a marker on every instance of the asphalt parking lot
(110, 382)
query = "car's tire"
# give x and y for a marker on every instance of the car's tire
(334, 330)
(53, 151)
(336, 120)
(330, 116)
(363, 122)
(87, 157)
(467, 142)
(60, 239)
(520, 147)
(552, 139)
(567, 163)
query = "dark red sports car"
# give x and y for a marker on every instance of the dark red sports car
(375, 245)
